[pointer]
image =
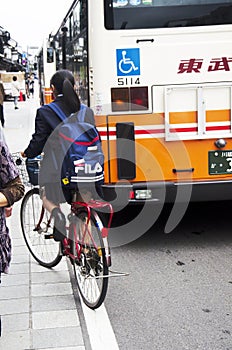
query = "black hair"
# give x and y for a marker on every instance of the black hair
(63, 82)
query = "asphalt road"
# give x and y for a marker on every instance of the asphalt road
(178, 294)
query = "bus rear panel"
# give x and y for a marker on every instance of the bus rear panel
(158, 77)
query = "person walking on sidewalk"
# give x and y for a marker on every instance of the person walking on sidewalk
(15, 91)
(2, 96)
(31, 86)
(11, 190)
(27, 85)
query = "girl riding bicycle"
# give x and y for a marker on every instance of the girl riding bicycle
(45, 140)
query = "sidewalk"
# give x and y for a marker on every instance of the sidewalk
(37, 304)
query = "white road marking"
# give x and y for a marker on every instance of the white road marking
(99, 328)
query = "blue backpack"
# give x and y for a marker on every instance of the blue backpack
(82, 159)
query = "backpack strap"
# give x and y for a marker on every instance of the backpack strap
(57, 110)
(61, 114)
(81, 113)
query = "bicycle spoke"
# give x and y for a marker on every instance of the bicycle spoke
(37, 230)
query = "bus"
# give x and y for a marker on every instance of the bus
(46, 68)
(157, 74)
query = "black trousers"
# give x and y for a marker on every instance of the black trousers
(2, 115)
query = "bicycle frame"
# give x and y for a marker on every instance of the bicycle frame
(38, 226)
(93, 204)
(86, 244)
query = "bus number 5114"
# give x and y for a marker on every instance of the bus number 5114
(128, 81)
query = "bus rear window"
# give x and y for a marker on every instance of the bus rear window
(141, 14)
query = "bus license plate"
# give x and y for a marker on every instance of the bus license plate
(220, 162)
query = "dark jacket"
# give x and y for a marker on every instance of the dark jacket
(45, 139)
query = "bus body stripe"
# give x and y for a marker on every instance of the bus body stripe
(158, 132)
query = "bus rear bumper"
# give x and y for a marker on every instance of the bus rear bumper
(167, 192)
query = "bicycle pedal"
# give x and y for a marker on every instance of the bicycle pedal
(50, 236)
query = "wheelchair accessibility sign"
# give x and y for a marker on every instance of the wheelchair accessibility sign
(128, 62)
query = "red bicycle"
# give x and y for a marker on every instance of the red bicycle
(86, 243)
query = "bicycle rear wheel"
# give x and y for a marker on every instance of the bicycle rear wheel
(37, 230)
(90, 265)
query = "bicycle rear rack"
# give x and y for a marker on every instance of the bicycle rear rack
(95, 204)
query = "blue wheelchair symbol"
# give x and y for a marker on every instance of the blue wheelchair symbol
(128, 62)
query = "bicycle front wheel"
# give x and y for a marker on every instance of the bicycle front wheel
(90, 263)
(37, 230)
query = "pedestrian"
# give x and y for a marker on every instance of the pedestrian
(31, 86)
(15, 88)
(2, 96)
(11, 190)
(46, 121)
(27, 84)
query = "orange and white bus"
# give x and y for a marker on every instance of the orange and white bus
(158, 75)
(46, 68)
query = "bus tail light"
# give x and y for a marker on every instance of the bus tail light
(139, 98)
(120, 99)
(129, 99)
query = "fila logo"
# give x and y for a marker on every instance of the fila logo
(80, 165)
